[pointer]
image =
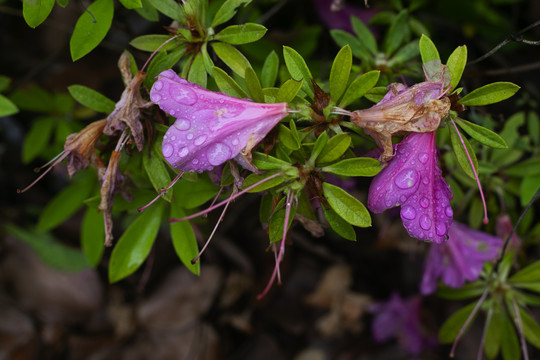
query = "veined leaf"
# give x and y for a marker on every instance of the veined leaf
(339, 74)
(241, 34)
(227, 11)
(298, 69)
(336, 146)
(270, 70)
(253, 85)
(227, 84)
(152, 41)
(339, 225)
(346, 206)
(183, 238)
(232, 57)
(364, 35)
(354, 167)
(288, 91)
(91, 99)
(157, 172)
(428, 50)
(483, 135)
(169, 8)
(489, 94)
(456, 64)
(460, 153)
(91, 28)
(359, 87)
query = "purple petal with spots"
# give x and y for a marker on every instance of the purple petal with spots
(210, 127)
(460, 259)
(413, 180)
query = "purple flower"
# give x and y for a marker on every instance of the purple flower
(400, 319)
(460, 258)
(413, 180)
(337, 14)
(210, 127)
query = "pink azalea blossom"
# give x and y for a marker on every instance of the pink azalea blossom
(210, 127)
(460, 259)
(413, 180)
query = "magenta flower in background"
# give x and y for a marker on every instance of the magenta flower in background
(210, 127)
(413, 180)
(336, 14)
(398, 318)
(460, 258)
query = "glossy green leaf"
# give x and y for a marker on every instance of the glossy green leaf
(91, 99)
(346, 206)
(151, 42)
(131, 4)
(354, 167)
(451, 327)
(51, 251)
(241, 34)
(183, 238)
(456, 64)
(253, 85)
(197, 71)
(135, 243)
(359, 50)
(287, 139)
(318, 147)
(531, 328)
(62, 3)
(169, 8)
(37, 138)
(529, 187)
(359, 87)
(232, 57)
(298, 69)
(376, 94)
(428, 50)
(396, 33)
(254, 178)
(157, 172)
(339, 225)
(227, 11)
(334, 148)
(93, 235)
(339, 74)
(7, 107)
(288, 91)
(268, 162)
(460, 153)
(364, 35)
(148, 11)
(270, 70)
(66, 203)
(489, 94)
(193, 194)
(529, 167)
(208, 63)
(36, 11)
(91, 28)
(483, 135)
(227, 84)
(161, 62)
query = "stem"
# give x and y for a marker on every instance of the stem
(159, 48)
(486, 220)
(519, 325)
(215, 199)
(162, 192)
(57, 159)
(192, 216)
(484, 333)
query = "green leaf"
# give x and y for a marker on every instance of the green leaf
(346, 206)
(364, 35)
(451, 327)
(529, 274)
(152, 41)
(288, 91)
(161, 62)
(52, 252)
(456, 64)
(405, 54)
(531, 329)
(66, 203)
(320, 143)
(489, 94)
(483, 135)
(533, 126)
(135, 243)
(336, 146)
(36, 11)
(343, 38)
(227, 11)
(298, 69)
(428, 50)
(37, 138)
(270, 70)
(339, 74)
(254, 178)
(268, 162)
(91, 28)
(529, 167)
(208, 63)
(232, 57)
(62, 3)
(5, 83)
(469, 290)
(241, 34)
(157, 172)
(376, 94)
(359, 87)
(354, 167)
(253, 85)
(492, 344)
(91, 99)
(396, 33)
(509, 341)
(227, 84)
(197, 71)
(93, 235)
(148, 11)
(277, 222)
(169, 8)
(340, 226)
(287, 139)
(131, 4)
(33, 98)
(460, 153)
(183, 238)
(193, 194)
(529, 187)
(7, 107)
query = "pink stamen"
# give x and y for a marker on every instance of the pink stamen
(162, 192)
(485, 220)
(56, 160)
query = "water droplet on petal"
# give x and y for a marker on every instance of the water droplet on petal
(235, 142)
(423, 157)
(158, 85)
(406, 179)
(189, 136)
(172, 112)
(424, 202)
(425, 222)
(155, 98)
(183, 152)
(403, 198)
(195, 161)
(173, 138)
(425, 180)
(183, 95)
(440, 229)
(182, 124)
(167, 150)
(218, 153)
(448, 211)
(408, 212)
(200, 140)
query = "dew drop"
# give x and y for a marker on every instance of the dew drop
(183, 95)
(425, 222)
(200, 140)
(158, 85)
(155, 98)
(172, 112)
(406, 179)
(167, 150)
(182, 124)
(425, 180)
(423, 157)
(440, 229)
(218, 153)
(189, 136)
(408, 212)
(183, 152)
(173, 138)
(448, 211)
(424, 202)
(195, 161)
(235, 142)
(403, 198)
